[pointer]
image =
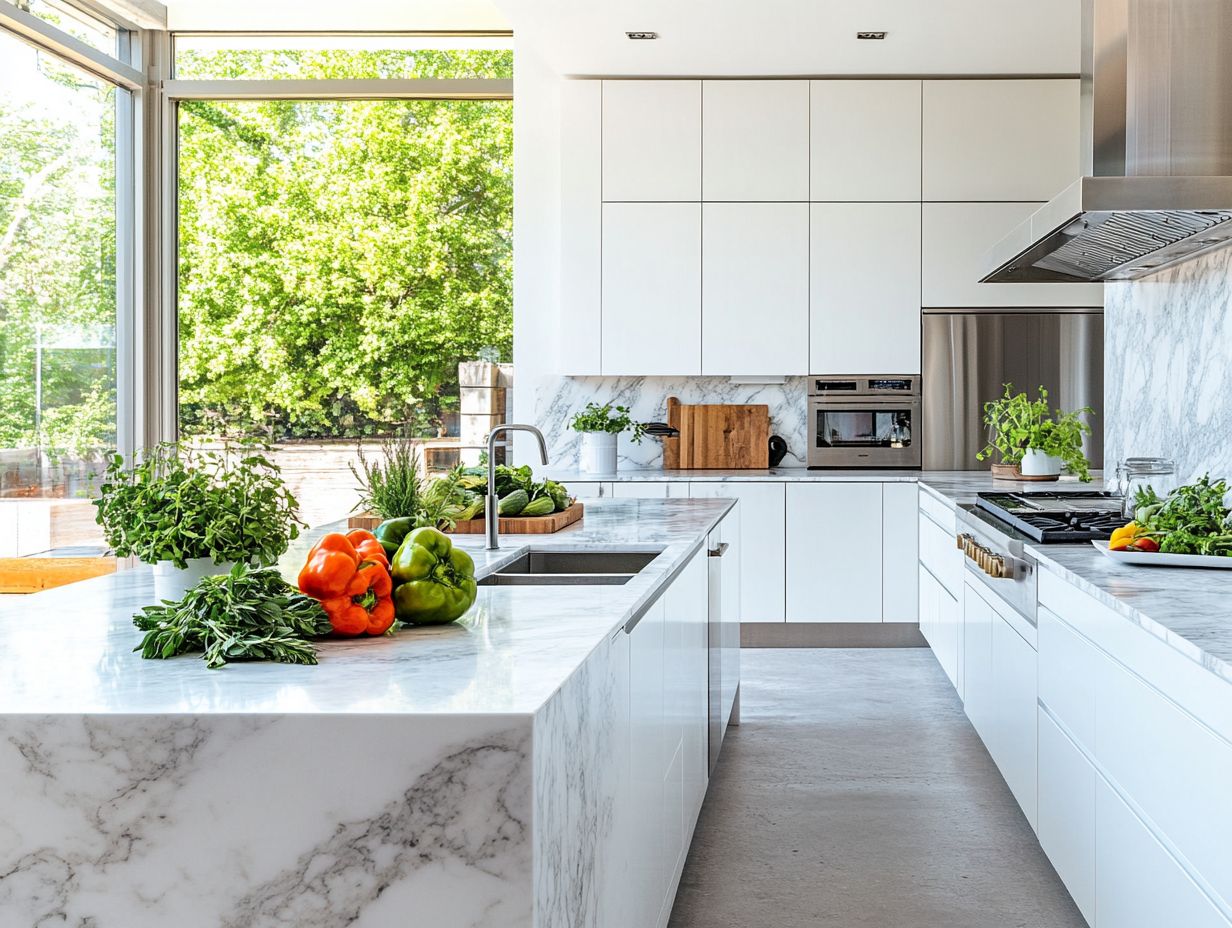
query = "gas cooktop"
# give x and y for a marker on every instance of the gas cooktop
(1055, 517)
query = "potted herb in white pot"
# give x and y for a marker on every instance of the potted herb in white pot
(192, 513)
(1032, 441)
(600, 427)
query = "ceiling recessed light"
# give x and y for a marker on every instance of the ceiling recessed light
(870, 35)
(642, 36)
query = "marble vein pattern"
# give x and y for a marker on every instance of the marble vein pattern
(558, 399)
(130, 821)
(1168, 366)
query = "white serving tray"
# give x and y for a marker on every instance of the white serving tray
(1159, 559)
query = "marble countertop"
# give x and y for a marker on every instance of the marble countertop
(1190, 609)
(769, 475)
(69, 650)
(955, 487)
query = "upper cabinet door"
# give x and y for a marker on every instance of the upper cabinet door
(652, 140)
(865, 288)
(957, 237)
(581, 223)
(755, 278)
(652, 281)
(1000, 140)
(865, 140)
(755, 140)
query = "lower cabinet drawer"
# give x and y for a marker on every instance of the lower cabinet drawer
(1138, 884)
(939, 553)
(1066, 817)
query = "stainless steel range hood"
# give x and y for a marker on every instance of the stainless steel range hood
(1156, 145)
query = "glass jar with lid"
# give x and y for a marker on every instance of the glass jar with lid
(1134, 474)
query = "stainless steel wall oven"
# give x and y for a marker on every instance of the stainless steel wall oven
(864, 421)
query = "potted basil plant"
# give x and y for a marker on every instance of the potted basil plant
(1031, 440)
(600, 427)
(192, 513)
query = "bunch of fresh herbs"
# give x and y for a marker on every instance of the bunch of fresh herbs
(1017, 423)
(178, 503)
(391, 486)
(607, 418)
(249, 614)
(1192, 519)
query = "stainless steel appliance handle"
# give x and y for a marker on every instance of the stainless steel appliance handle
(719, 551)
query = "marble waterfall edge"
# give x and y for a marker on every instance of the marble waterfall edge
(1168, 367)
(242, 821)
(558, 399)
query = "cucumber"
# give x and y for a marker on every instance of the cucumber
(539, 507)
(514, 503)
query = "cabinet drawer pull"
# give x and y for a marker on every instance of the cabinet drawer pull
(720, 550)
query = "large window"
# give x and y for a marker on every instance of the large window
(58, 307)
(338, 258)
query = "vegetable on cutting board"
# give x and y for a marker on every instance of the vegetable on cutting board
(434, 581)
(249, 614)
(354, 589)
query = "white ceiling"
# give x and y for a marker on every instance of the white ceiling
(350, 15)
(801, 37)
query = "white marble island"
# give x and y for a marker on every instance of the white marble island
(479, 774)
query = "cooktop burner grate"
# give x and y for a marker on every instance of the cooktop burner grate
(1053, 517)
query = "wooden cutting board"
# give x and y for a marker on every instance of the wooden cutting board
(717, 436)
(526, 525)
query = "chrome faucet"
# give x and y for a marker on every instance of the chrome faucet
(492, 504)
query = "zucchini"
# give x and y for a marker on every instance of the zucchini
(539, 507)
(514, 503)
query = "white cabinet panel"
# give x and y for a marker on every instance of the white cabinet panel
(950, 635)
(1068, 670)
(865, 288)
(581, 220)
(755, 140)
(686, 679)
(979, 687)
(865, 140)
(939, 553)
(730, 584)
(900, 508)
(1138, 884)
(755, 284)
(929, 605)
(956, 240)
(587, 490)
(1066, 822)
(1000, 140)
(648, 870)
(762, 542)
(647, 489)
(651, 288)
(834, 552)
(1016, 712)
(652, 140)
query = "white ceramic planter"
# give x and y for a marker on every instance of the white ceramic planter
(171, 582)
(598, 453)
(1037, 464)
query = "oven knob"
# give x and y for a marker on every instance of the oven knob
(996, 567)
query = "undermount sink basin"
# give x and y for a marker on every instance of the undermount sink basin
(571, 568)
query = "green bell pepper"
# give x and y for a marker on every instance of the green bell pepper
(391, 533)
(434, 582)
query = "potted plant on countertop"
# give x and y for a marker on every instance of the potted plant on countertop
(195, 512)
(600, 427)
(1032, 441)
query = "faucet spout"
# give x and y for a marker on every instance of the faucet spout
(492, 503)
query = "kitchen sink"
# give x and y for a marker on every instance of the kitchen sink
(571, 568)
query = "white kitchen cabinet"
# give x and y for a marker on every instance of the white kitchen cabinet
(648, 869)
(652, 289)
(730, 583)
(647, 489)
(834, 552)
(864, 296)
(1139, 884)
(755, 140)
(979, 686)
(582, 489)
(762, 542)
(755, 286)
(581, 221)
(1066, 816)
(652, 140)
(941, 626)
(900, 552)
(1015, 710)
(865, 140)
(956, 239)
(1000, 139)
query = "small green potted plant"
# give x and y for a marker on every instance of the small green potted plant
(600, 426)
(194, 512)
(1034, 441)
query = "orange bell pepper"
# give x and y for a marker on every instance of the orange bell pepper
(355, 592)
(1123, 537)
(367, 546)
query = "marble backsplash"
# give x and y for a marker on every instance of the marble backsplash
(558, 399)
(1168, 367)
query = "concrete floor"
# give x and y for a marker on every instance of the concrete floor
(855, 794)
